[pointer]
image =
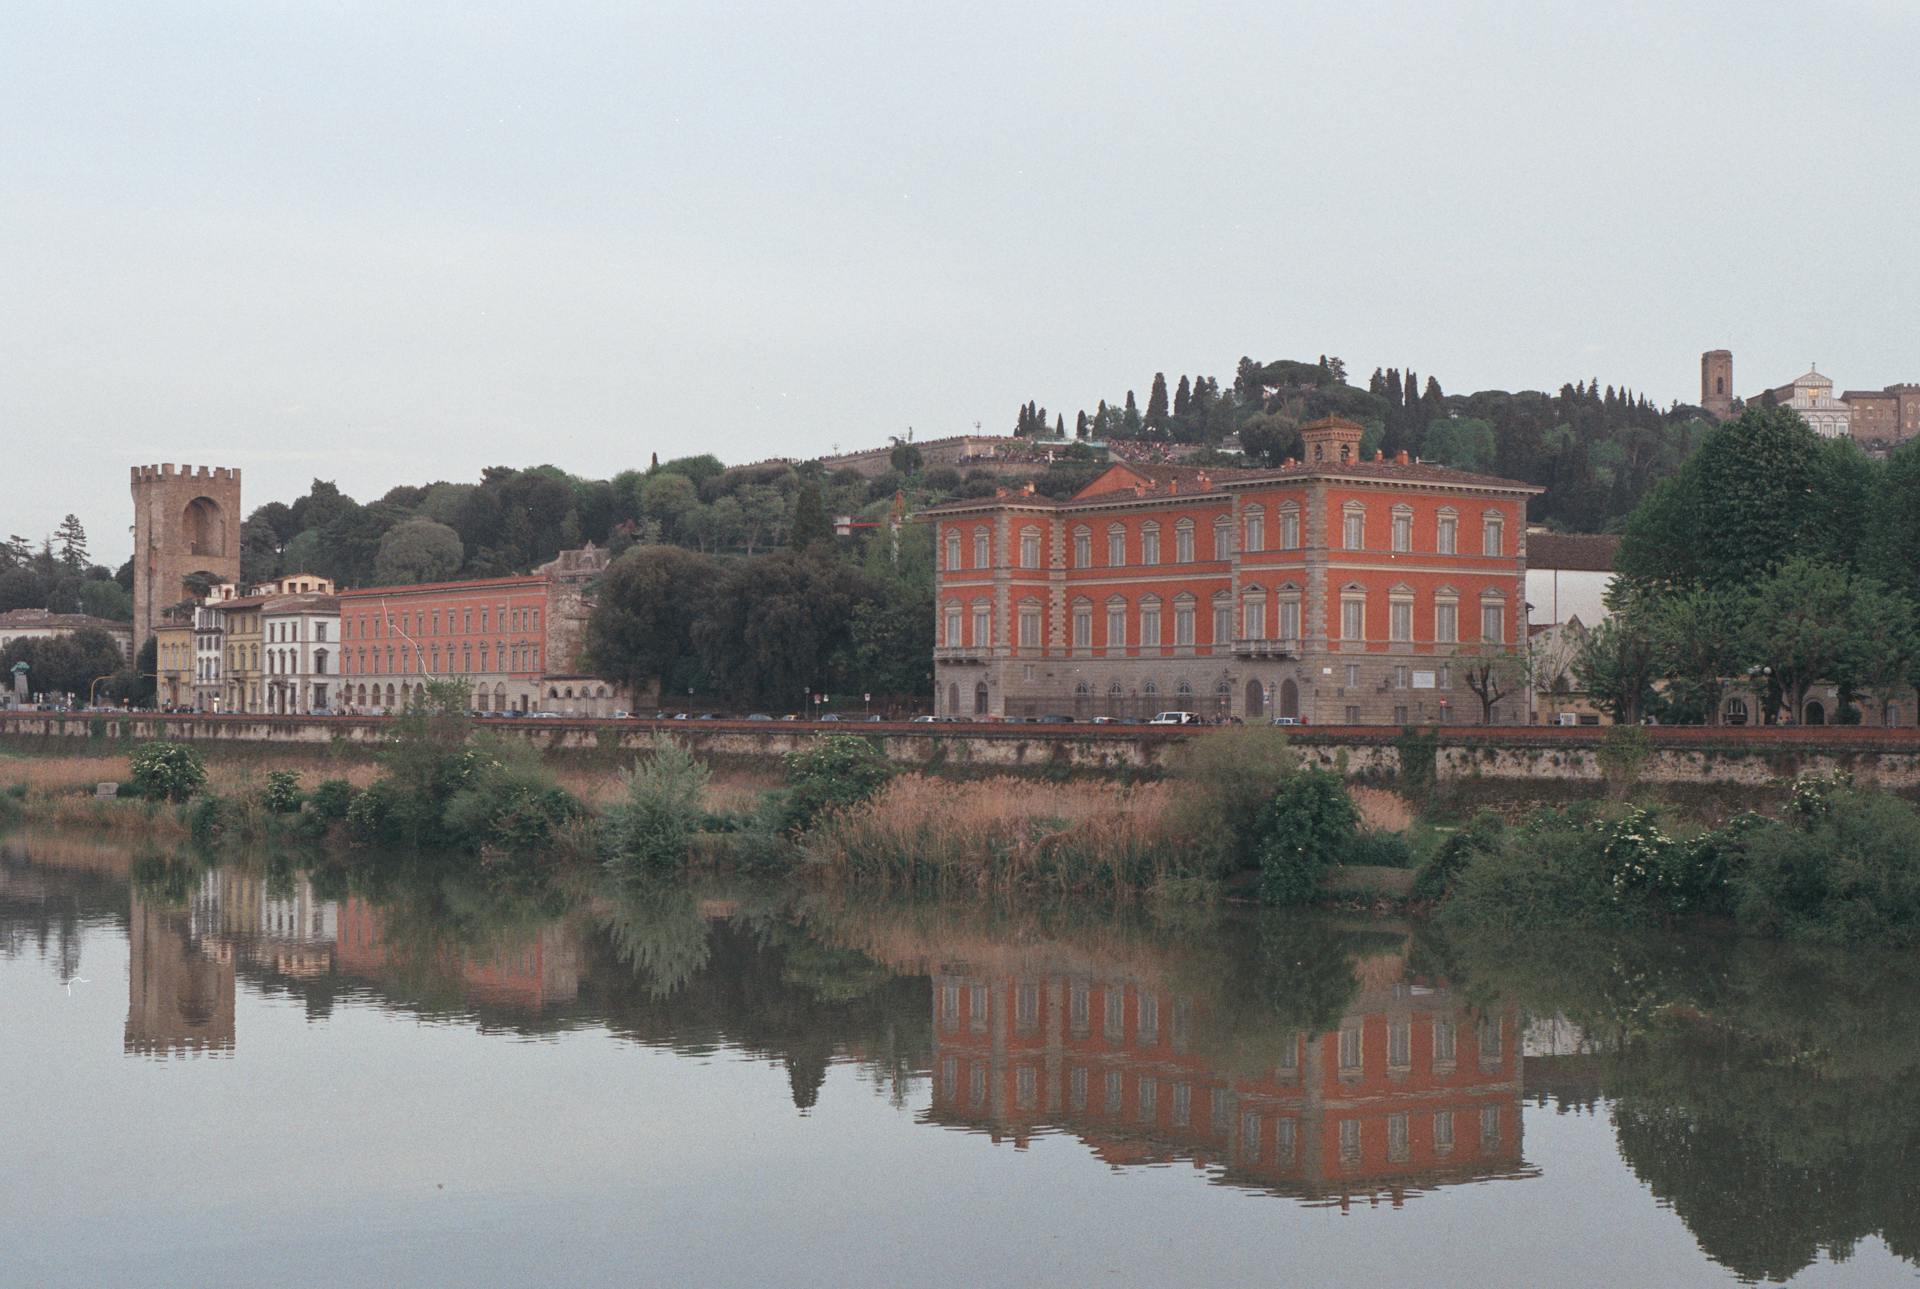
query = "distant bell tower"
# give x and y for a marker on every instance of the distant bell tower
(1716, 383)
(186, 520)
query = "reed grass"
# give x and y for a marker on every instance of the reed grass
(1002, 834)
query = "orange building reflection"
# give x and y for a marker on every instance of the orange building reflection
(1413, 1089)
(532, 973)
(179, 1000)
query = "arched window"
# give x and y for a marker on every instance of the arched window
(1150, 690)
(1184, 692)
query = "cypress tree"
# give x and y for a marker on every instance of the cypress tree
(1060, 426)
(1377, 383)
(1182, 398)
(1080, 425)
(811, 527)
(1157, 402)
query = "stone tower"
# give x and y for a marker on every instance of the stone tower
(1716, 383)
(186, 519)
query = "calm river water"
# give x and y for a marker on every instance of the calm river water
(376, 1073)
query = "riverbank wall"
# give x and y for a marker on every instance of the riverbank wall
(1746, 758)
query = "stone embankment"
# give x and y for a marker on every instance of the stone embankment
(1670, 755)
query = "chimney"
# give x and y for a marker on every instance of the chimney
(1378, 455)
(1402, 458)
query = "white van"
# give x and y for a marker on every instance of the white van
(1176, 718)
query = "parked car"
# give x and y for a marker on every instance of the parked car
(830, 716)
(758, 716)
(923, 720)
(1176, 718)
(1286, 720)
(1055, 718)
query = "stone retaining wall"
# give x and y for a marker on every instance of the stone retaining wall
(1886, 758)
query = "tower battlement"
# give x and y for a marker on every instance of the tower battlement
(159, 473)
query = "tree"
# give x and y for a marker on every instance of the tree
(671, 500)
(417, 551)
(1803, 623)
(1466, 443)
(1182, 397)
(64, 664)
(780, 626)
(811, 526)
(73, 544)
(1699, 642)
(1493, 672)
(1269, 438)
(1130, 423)
(1759, 490)
(641, 629)
(904, 457)
(1157, 403)
(1616, 666)
(1883, 653)
(106, 600)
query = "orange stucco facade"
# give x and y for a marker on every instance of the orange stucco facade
(1333, 590)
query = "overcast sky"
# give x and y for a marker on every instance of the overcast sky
(390, 243)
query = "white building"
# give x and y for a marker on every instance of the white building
(1568, 575)
(300, 653)
(1811, 395)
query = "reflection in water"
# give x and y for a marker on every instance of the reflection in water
(1770, 1098)
(1410, 1089)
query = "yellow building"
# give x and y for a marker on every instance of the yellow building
(243, 640)
(173, 664)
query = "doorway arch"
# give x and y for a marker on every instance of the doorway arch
(1289, 699)
(1256, 700)
(980, 699)
(1815, 713)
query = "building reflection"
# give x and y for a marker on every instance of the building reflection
(531, 971)
(183, 962)
(1412, 1089)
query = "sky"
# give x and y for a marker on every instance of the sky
(384, 244)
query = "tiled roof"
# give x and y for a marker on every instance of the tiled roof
(1572, 552)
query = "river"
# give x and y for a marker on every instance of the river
(356, 1070)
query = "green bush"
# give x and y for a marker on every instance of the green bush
(331, 799)
(209, 818)
(655, 819)
(840, 770)
(1435, 878)
(505, 797)
(165, 771)
(1310, 822)
(1227, 779)
(1848, 871)
(1379, 849)
(282, 793)
(1561, 868)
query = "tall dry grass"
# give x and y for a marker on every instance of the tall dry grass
(1002, 834)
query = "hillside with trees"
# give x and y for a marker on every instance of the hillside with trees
(1596, 450)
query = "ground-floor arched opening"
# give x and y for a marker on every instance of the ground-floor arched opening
(1256, 700)
(1289, 699)
(980, 699)
(1816, 714)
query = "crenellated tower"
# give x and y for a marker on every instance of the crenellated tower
(186, 519)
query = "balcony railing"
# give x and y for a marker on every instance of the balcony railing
(1265, 647)
(961, 653)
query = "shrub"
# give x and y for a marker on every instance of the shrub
(1848, 871)
(282, 793)
(331, 799)
(1552, 871)
(1419, 757)
(1379, 849)
(1308, 824)
(167, 771)
(654, 822)
(840, 770)
(503, 796)
(1227, 780)
(1435, 877)
(209, 818)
